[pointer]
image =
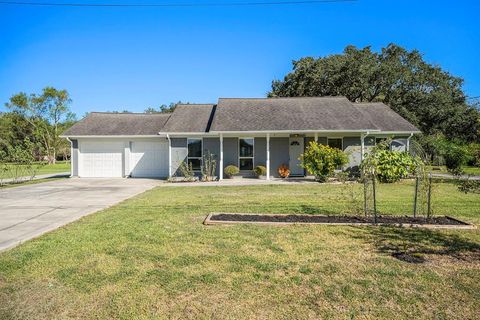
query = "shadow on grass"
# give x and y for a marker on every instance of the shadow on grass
(415, 243)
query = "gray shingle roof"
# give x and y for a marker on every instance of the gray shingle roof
(112, 124)
(384, 118)
(257, 114)
(309, 113)
(190, 118)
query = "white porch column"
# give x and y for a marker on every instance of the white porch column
(316, 136)
(268, 156)
(169, 156)
(408, 142)
(362, 147)
(220, 169)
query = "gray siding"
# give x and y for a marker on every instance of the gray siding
(212, 145)
(260, 152)
(322, 140)
(279, 154)
(179, 154)
(230, 151)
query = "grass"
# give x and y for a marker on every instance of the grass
(475, 171)
(58, 167)
(151, 257)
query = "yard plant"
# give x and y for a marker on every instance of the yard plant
(231, 170)
(321, 160)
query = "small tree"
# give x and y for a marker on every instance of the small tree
(46, 114)
(321, 160)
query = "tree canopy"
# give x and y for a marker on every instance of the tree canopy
(41, 117)
(425, 94)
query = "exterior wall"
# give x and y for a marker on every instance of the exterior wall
(179, 154)
(279, 154)
(260, 152)
(212, 145)
(399, 144)
(352, 146)
(230, 151)
(74, 158)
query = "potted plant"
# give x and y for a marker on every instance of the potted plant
(260, 172)
(230, 171)
(283, 171)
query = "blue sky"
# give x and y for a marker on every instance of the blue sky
(133, 58)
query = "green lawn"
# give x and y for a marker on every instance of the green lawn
(59, 167)
(151, 257)
(475, 171)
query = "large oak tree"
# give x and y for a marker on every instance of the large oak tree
(426, 95)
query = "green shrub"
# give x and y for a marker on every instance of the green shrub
(231, 170)
(391, 166)
(321, 160)
(260, 171)
(455, 155)
(474, 154)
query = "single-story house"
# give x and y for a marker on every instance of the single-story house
(240, 132)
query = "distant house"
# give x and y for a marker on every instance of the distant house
(241, 132)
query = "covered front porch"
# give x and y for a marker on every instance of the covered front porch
(246, 150)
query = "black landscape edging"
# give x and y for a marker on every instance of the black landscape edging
(285, 219)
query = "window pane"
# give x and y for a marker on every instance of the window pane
(246, 164)
(195, 148)
(246, 147)
(335, 143)
(196, 164)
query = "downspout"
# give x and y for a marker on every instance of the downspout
(362, 148)
(71, 156)
(408, 142)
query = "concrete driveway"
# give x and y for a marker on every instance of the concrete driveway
(29, 211)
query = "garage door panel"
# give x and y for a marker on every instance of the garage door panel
(101, 159)
(149, 159)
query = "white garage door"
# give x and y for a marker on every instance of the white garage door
(99, 159)
(149, 159)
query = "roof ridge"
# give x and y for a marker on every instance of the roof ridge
(273, 98)
(129, 113)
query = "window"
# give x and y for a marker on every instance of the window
(369, 141)
(194, 157)
(245, 153)
(379, 140)
(335, 143)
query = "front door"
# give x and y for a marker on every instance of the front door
(295, 150)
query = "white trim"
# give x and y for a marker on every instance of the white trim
(253, 153)
(268, 156)
(362, 145)
(296, 131)
(408, 143)
(71, 156)
(220, 169)
(188, 134)
(201, 154)
(110, 136)
(316, 137)
(169, 156)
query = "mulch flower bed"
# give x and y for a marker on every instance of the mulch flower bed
(444, 221)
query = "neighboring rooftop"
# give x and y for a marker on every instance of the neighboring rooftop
(112, 124)
(273, 114)
(190, 118)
